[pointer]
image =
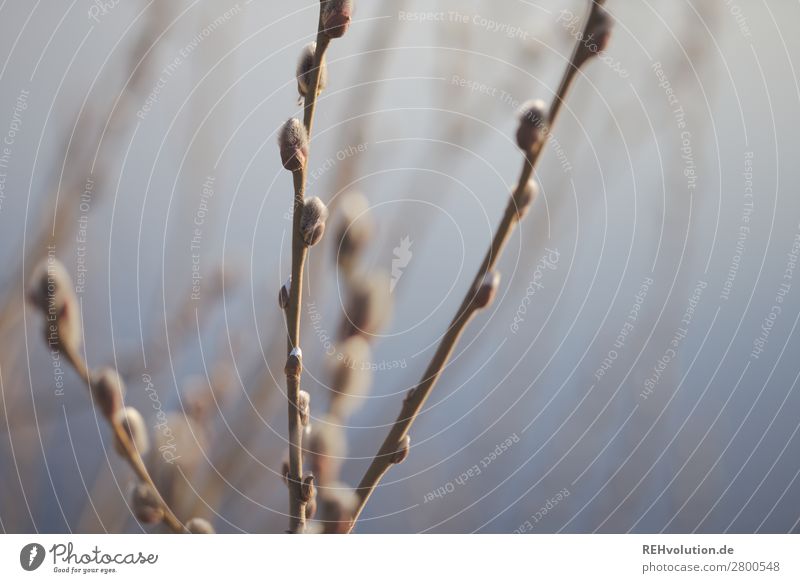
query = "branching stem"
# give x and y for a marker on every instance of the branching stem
(131, 454)
(297, 507)
(416, 398)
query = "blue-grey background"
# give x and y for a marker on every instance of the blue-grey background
(419, 116)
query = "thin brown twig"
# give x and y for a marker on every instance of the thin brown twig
(297, 506)
(388, 453)
(130, 453)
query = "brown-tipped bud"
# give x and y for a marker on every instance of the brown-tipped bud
(304, 407)
(369, 306)
(354, 230)
(311, 508)
(336, 16)
(293, 145)
(64, 331)
(50, 285)
(108, 390)
(199, 526)
(403, 447)
(294, 363)
(326, 448)
(487, 290)
(307, 490)
(283, 294)
(596, 34)
(312, 221)
(524, 198)
(532, 125)
(409, 395)
(352, 376)
(306, 71)
(338, 504)
(146, 505)
(50, 290)
(133, 425)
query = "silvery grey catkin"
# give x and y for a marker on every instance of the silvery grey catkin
(132, 423)
(146, 505)
(336, 17)
(293, 145)
(337, 508)
(368, 307)
(199, 526)
(597, 34)
(304, 405)
(351, 376)
(108, 390)
(325, 447)
(532, 125)
(354, 230)
(50, 290)
(312, 221)
(305, 71)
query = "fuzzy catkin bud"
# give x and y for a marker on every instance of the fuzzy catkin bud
(307, 490)
(284, 293)
(199, 526)
(108, 390)
(337, 508)
(596, 35)
(532, 125)
(306, 71)
(487, 290)
(351, 376)
(294, 363)
(133, 424)
(403, 447)
(49, 285)
(369, 306)
(51, 291)
(304, 407)
(354, 229)
(293, 145)
(525, 198)
(146, 505)
(325, 447)
(336, 16)
(311, 508)
(312, 221)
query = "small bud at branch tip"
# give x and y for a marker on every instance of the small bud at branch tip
(336, 16)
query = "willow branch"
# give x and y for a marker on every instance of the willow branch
(129, 451)
(297, 504)
(592, 41)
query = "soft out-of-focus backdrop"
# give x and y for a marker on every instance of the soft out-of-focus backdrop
(638, 371)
